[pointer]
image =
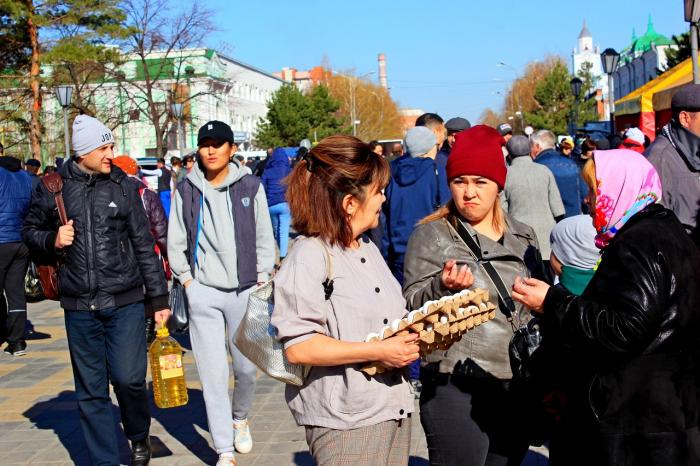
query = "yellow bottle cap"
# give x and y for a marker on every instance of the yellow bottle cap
(162, 331)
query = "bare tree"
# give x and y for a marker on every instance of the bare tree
(158, 43)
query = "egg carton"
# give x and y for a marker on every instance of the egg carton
(439, 323)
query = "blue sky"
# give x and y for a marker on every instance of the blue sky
(441, 56)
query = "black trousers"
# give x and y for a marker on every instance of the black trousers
(471, 421)
(14, 260)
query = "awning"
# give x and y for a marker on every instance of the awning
(641, 100)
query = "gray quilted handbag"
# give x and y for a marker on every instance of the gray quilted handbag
(256, 336)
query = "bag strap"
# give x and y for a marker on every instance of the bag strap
(506, 303)
(199, 226)
(328, 282)
(54, 184)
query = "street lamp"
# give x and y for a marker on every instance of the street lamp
(692, 15)
(177, 111)
(576, 84)
(517, 96)
(610, 60)
(64, 95)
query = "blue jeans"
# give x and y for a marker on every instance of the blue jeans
(281, 217)
(109, 346)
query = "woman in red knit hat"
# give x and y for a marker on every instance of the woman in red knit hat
(466, 410)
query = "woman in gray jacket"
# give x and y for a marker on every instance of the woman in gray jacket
(467, 412)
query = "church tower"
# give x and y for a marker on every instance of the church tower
(586, 52)
(585, 39)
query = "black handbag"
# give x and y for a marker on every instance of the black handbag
(179, 320)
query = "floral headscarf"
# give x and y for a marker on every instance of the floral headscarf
(627, 183)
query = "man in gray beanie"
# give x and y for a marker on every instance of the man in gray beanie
(107, 259)
(676, 156)
(531, 196)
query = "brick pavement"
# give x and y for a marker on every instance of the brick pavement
(39, 422)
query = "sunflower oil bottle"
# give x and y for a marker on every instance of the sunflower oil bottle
(167, 371)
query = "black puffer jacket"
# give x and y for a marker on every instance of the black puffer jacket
(112, 256)
(633, 338)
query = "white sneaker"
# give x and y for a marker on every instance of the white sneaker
(242, 440)
(226, 459)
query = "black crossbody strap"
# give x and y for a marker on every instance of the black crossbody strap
(506, 303)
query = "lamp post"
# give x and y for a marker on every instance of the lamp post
(177, 111)
(576, 84)
(610, 60)
(517, 96)
(352, 84)
(64, 95)
(692, 15)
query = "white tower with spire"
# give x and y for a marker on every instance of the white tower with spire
(587, 52)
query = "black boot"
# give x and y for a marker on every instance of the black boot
(141, 452)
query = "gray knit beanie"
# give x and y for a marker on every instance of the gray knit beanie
(419, 141)
(89, 134)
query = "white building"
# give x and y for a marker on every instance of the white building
(211, 85)
(587, 52)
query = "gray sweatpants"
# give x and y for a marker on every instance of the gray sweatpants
(214, 319)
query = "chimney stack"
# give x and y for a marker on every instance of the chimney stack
(382, 71)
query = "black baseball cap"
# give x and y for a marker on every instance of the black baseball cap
(33, 163)
(217, 130)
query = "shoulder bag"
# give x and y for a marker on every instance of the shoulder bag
(256, 335)
(48, 273)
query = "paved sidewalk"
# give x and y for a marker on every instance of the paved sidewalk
(39, 421)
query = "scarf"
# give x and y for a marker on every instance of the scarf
(627, 183)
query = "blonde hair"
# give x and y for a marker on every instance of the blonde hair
(588, 174)
(449, 211)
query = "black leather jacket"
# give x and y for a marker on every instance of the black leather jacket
(633, 337)
(112, 257)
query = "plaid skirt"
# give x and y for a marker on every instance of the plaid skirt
(386, 443)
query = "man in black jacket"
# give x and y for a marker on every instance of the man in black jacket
(107, 258)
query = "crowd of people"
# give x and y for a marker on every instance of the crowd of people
(593, 242)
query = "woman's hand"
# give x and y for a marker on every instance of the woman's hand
(530, 292)
(455, 277)
(398, 351)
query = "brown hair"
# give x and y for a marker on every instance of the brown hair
(450, 212)
(588, 174)
(337, 166)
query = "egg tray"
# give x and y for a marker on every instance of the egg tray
(439, 324)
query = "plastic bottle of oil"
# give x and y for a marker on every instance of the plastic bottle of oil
(167, 371)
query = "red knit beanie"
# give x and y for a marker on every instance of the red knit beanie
(477, 152)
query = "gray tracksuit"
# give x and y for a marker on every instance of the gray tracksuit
(215, 303)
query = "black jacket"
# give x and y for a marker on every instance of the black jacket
(633, 337)
(112, 256)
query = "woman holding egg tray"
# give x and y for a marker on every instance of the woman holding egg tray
(331, 291)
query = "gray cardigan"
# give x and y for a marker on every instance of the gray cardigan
(430, 246)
